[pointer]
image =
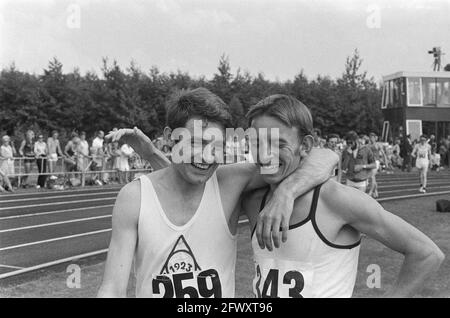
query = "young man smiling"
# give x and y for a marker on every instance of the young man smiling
(320, 257)
(179, 223)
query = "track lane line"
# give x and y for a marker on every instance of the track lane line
(55, 223)
(55, 262)
(58, 196)
(54, 203)
(10, 266)
(418, 195)
(54, 239)
(54, 212)
(99, 190)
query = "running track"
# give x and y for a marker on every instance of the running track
(45, 228)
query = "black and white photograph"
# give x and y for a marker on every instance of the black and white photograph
(225, 149)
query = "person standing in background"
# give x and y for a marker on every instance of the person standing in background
(124, 167)
(447, 145)
(422, 153)
(54, 150)
(27, 150)
(7, 153)
(378, 153)
(332, 144)
(70, 153)
(41, 151)
(115, 157)
(83, 153)
(98, 156)
(405, 152)
(357, 162)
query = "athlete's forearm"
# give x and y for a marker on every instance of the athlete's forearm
(415, 270)
(316, 169)
(154, 156)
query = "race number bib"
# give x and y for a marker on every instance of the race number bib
(282, 279)
(422, 155)
(182, 277)
(198, 284)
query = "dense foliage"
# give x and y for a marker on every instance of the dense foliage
(124, 98)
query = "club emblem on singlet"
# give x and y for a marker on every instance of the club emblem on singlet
(181, 276)
(181, 259)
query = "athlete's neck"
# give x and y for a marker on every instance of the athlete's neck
(179, 184)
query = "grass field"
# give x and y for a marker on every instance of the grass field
(419, 212)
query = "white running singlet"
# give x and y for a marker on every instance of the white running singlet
(307, 265)
(422, 160)
(194, 260)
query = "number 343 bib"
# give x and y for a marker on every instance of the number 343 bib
(282, 279)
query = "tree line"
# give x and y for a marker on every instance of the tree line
(132, 97)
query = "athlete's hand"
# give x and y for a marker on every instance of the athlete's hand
(273, 219)
(135, 138)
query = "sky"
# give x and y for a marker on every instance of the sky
(277, 38)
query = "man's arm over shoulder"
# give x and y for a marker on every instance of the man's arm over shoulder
(315, 169)
(422, 256)
(123, 241)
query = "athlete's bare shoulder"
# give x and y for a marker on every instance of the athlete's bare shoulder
(128, 203)
(342, 201)
(158, 175)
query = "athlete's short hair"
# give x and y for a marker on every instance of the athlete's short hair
(351, 136)
(200, 102)
(372, 134)
(289, 110)
(331, 136)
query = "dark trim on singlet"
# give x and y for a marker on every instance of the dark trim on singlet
(311, 216)
(316, 227)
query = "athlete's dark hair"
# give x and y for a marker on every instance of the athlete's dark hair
(200, 102)
(289, 110)
(330, 136)
(372, 134)
(351, 135)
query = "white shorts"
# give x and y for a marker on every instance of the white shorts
(422, 163)
(360, 185)
(53, 157)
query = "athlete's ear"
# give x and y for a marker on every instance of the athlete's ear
(307, 144)
(167, 133)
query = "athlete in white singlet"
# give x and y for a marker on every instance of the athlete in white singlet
(320, 257)
(178, 223)
(422, 153)
(176, 260)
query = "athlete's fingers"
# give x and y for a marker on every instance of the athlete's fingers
(258, 232)
(284, 229)
(267, 237)
(276, 232)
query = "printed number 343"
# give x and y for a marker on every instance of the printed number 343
(270, 284)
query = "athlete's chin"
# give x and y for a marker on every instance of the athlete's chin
(196, 176)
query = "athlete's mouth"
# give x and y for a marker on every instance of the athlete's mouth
(201, 166)
(270, 168)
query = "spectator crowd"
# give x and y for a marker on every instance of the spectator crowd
(101, 162)
(78, 161)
